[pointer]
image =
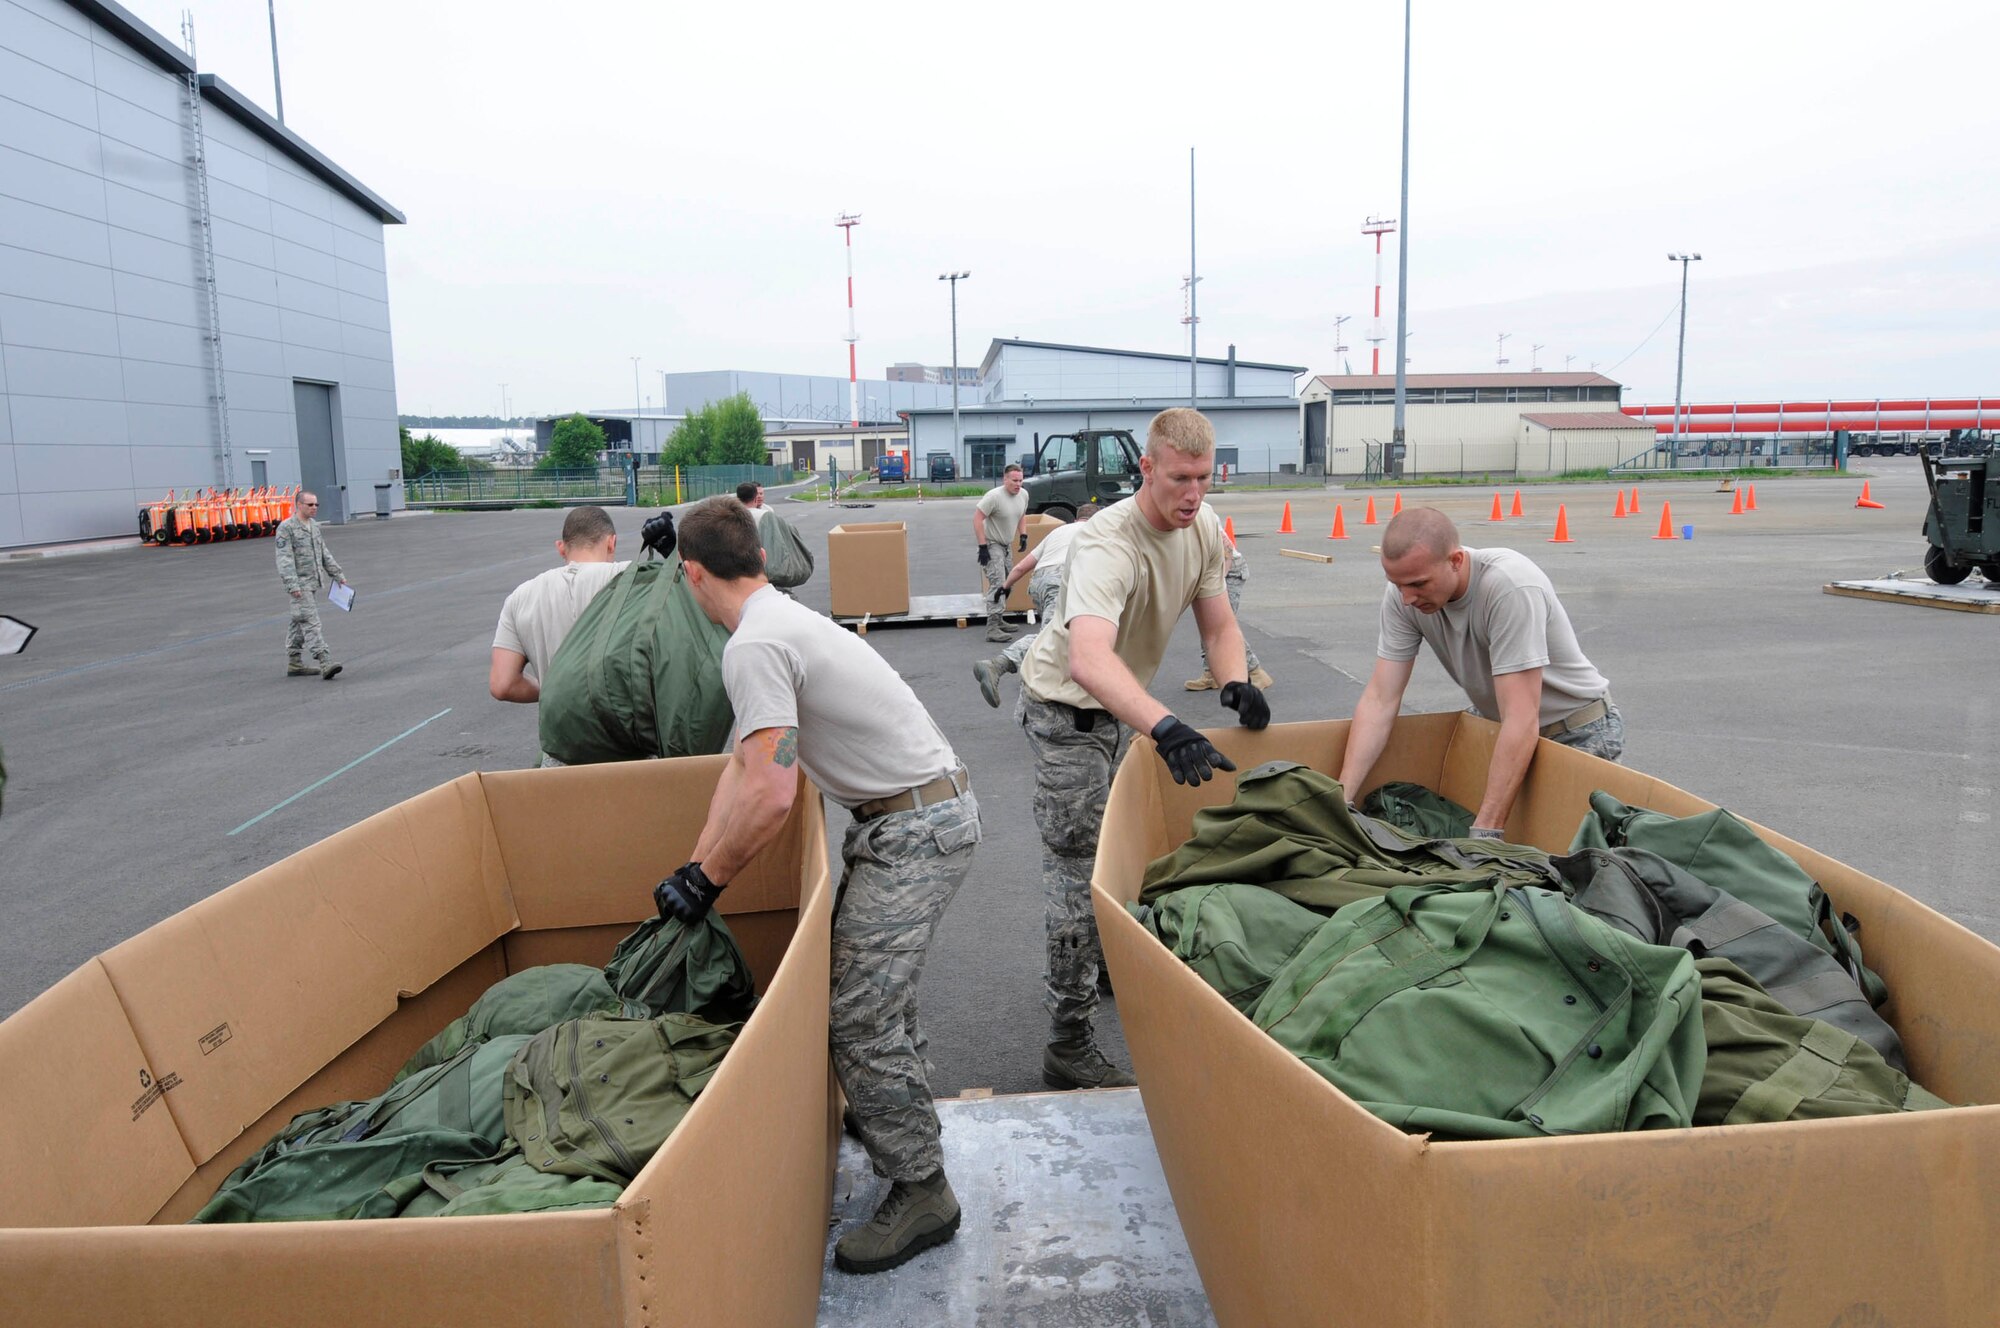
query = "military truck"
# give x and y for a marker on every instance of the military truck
(1963, 520)
(1090, 465)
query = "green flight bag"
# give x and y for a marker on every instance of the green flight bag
(666, 966)
(1235, 936)
(1289, 829)
(1767, 1064)
(1414, 808)
(597, 1097)
(787, 560)
(1492, 1013)
(362, 1159)
(522, 1003)
(639, 676)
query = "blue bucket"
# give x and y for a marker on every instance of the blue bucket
(1687, 532)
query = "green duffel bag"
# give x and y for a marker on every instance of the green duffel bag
(787, 560)
(597, 1097)
(1492, 1013)
(1647, 896)
(1767, 1064)
(1289, 829)
(1235, 936)
(639, 676)
(362, 1159)
(1414, 808)
(668, 967)
(521, 1003)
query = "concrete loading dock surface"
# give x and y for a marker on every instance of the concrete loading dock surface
(151, 718)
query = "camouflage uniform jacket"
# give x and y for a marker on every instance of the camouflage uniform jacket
(303, 555)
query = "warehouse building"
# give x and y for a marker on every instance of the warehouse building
(1506, 423)
(129, 363)
(1029, 390)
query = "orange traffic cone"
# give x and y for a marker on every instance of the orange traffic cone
(1339, 523)
(1398, 508)
(1285, 525)
(1864, 500)
(1496, 508)
(1736, 507)
(1666, 521)
(1750, 503)
(1632, 507)
(1229, 529)
(1517, 505)
(1621, 504)
(1368, 518)
(1562, 526)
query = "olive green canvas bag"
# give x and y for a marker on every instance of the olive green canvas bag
(521, 1003)
(1235, 936)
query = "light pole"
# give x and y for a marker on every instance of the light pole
(1403, 250)
(637, 409)
(954, 278)
(1680, 356)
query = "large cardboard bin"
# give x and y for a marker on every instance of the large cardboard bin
(1302, 1208)
(868, 568)
(134, 1085)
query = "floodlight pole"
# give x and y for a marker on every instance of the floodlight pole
(277, 84)
(1403, 249)
(954, 278)
(637, 410)
(1194, 364)
(1680, 356)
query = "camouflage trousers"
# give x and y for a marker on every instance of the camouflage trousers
(1600, 737)
(1073, 769)
(1043, 590)
(995, 570)
(901, 870)
(1232, 581)
(303, 633)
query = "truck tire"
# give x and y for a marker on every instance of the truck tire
(1060, 511)
(1991, 571)
(1941, 569)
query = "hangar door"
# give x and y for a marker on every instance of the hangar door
(312, 404)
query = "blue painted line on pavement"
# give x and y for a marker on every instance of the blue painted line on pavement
(338, 773)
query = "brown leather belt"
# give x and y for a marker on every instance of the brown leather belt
(941, 789)
(1575, 720)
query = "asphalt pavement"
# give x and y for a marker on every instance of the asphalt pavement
(156, 752)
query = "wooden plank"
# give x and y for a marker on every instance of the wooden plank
(1918, 594)
(1307, 557)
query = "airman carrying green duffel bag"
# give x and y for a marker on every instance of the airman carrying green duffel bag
(639, 676)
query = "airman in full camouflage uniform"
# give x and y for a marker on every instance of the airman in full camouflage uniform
(305, 565)
(811, 697)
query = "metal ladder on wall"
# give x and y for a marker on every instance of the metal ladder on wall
(225, 462)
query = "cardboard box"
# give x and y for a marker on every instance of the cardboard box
(1301, 1207)
(868, 568)
(1039, 526)
(134, 1085)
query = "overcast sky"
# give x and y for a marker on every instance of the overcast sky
(593, 181)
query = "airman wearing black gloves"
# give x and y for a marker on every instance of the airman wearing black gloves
(1130, 575)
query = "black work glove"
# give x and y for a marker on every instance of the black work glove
(1000, 594)
(688, 894)
(1191, 757)
(1247, 700)
(1024, 541)
(658, 534)
(985, 554)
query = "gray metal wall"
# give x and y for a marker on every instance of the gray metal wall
(105, 388)
(1041, 373)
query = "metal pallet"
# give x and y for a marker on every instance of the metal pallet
(929, 610)
(1975, 595)
(1065, 1219)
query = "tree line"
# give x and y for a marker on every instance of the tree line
(729, 432)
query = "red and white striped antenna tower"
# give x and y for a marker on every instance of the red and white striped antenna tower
(848, 221)
(1378, 227)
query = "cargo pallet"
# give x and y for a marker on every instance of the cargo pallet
(1975, 596)
(929, 610)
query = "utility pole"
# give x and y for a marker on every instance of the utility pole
(954, 278)
(277, 84)
(1680, 355)
(1403, 252)
(1194, 365)
(637, 409)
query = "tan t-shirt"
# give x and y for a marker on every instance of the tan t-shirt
(863, 734)
(540, 612)
(1003, 514)
(1507, 621)
(1121, 569)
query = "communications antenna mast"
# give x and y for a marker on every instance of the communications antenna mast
(848, 221)
(1500, 357)
(1377, 227)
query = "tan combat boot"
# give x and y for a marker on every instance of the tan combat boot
(1205, 683)
(1072, 1060)
(1261, 680)
(988, 673)
(911, 1218)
